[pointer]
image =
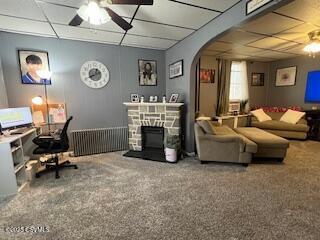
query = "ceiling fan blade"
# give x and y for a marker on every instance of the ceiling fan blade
(119, 20)
(132, 2)
(76, 21)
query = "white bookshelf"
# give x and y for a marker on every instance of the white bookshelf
(15, 152)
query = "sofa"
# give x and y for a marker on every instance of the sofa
(224, 145)
(282, 129)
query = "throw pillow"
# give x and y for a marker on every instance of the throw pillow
(206, 126)
(292, 116)
(261, 115)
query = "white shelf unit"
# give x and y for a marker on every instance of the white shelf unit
(15, 152)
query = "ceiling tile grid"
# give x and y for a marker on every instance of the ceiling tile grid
(159, 26)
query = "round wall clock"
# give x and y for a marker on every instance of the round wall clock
(94, 74)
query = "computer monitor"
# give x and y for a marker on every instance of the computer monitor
(312, 94)
(15, 117)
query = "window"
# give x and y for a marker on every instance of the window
(238, 81)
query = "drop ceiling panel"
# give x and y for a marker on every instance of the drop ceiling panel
(272, 43)
(275, 55)
(212, 4)
(210, 53)
(270, 24)
(76, 33)
(122, 10)
(147, 42)
(63, 15)
(240, 37)
(303, 10)
(297, 49)
(19, 25)
(158, 30)
(220, 46)
(238, 49)
(233, 56)
(22, 9)
(298, 34)
(172, 13)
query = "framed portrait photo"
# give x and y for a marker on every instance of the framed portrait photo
(257, 79)
(153, 99)
(147, 72)
(286, 76)
(31, 63)
(174, 98)
(134, 97)
(207, 75)
(176, 69)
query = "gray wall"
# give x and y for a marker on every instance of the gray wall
(291, 95)
(91, 108)
(258, 94)
(3, 93)
(189, 51)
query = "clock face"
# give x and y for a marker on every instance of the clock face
(94, 74)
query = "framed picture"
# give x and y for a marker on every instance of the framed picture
(176, 69)
(257, 79)
(134, 97)
(174, 98)
(286, 76)
(31, 62)
(147, 73)
(153, 99)
(207, 75)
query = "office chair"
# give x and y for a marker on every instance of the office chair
(54, 145)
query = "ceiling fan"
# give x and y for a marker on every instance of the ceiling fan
(97, 12)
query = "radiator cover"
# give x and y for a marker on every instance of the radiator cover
(100, 140)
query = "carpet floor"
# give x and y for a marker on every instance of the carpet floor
(112, 197)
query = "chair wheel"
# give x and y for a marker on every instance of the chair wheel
(75, 167)
(37, 175)
(57, 177)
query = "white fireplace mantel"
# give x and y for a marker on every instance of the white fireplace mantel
(153, 104)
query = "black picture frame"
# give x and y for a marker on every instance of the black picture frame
(247, 3)
(153, 64)
(179, 64)
(38, 53)
(257, 79)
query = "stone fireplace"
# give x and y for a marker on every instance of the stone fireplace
(164, 115)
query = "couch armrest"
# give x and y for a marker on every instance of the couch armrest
(225, 139)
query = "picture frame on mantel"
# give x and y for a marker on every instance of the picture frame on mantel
(286, 76)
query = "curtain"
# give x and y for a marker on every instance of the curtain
(223, 86)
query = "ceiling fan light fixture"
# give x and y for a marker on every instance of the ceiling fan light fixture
(314, 46)
(93, 14)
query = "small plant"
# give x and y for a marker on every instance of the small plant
(172, 142)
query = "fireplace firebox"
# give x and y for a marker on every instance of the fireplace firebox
(152, 138)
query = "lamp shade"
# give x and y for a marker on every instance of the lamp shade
(37, 100)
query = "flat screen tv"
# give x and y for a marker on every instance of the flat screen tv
(313, 88)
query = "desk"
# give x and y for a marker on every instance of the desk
(15, 152)
(233, 121)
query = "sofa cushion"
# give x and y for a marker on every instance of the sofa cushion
(292, 116)
(261, 115)
(262, 138)
(278, 125)
(223, 130)
(206, 127)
